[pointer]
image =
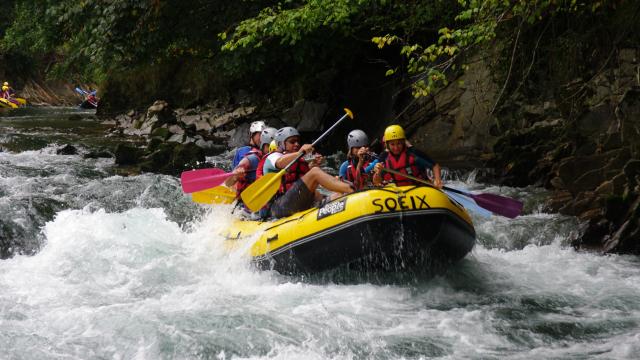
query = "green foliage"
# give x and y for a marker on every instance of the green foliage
(477, 24)
(422, 41)
(94, 38)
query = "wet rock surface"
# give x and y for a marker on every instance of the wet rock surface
(592, 163)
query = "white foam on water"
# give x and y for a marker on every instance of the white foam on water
(136, 285)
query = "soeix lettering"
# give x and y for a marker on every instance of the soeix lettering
(411, 202)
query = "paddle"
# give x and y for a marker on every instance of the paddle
(202, 179)
(262, 190)
(497, 204)
(217, 195)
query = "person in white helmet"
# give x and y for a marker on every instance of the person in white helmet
(247, 170)
(255, 129)
(358, 159)
(299, 184)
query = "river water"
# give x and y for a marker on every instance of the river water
(101, 266)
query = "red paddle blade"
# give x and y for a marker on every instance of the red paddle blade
(500, 205)
(197, 180)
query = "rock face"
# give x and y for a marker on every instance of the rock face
(456, 123)
(591, 163)
(180, 139)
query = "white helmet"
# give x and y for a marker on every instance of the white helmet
(257, 126)
(266, 136)
(285, 133)
(357, 138)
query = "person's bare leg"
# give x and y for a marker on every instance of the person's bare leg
(316, 177)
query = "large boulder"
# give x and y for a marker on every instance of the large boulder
(126, 154)
(305, 115)
(172, 158)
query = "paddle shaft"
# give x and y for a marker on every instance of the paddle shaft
(415, 179)
(495, 203)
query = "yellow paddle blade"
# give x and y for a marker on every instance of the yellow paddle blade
(21, 101)
(217, 195)
(261, 191)
(349, 113)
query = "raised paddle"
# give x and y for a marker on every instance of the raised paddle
(262, 190)
(216, 195)
(202, 179)
(497, 204)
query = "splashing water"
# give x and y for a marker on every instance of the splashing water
(129, 268)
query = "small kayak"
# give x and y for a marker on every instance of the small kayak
(390, 229)
(18, 102)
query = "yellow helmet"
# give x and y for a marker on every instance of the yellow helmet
(273, 146)
(5, 84)
(394, 132)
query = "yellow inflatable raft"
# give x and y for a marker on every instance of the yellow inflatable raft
(4, 103)
(389, 229)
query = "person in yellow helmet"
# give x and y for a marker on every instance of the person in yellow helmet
(404, 159)
(8, 93)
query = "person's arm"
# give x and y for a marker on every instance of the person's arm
(377, 174)
(238, 173)
(423, 161)
(437, 180)
(287, 158)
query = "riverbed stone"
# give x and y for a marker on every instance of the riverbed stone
(172, 158)
(239, 136)
(176, 129)
(68, 149)
(126, 154)
(190, 119)
(305, 115)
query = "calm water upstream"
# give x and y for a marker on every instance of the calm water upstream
(112, 267)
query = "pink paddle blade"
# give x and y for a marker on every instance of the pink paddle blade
(501, 205)
(201, 179)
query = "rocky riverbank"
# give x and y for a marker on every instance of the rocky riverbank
(179, 139)
(591, 160)
(581, 142)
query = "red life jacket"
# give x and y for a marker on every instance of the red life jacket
(295, 172)
(406, 164)
(260, 169)
(254, 156)
(352, 172)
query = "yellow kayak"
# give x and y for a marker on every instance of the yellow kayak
(8, 104)
(392, 229)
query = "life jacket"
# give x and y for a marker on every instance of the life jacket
(254, 156)
(92, 100)
(295, 172)
(260, 169)
(406, 164)
(352, 172)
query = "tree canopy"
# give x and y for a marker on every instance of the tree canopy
(423, 41)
